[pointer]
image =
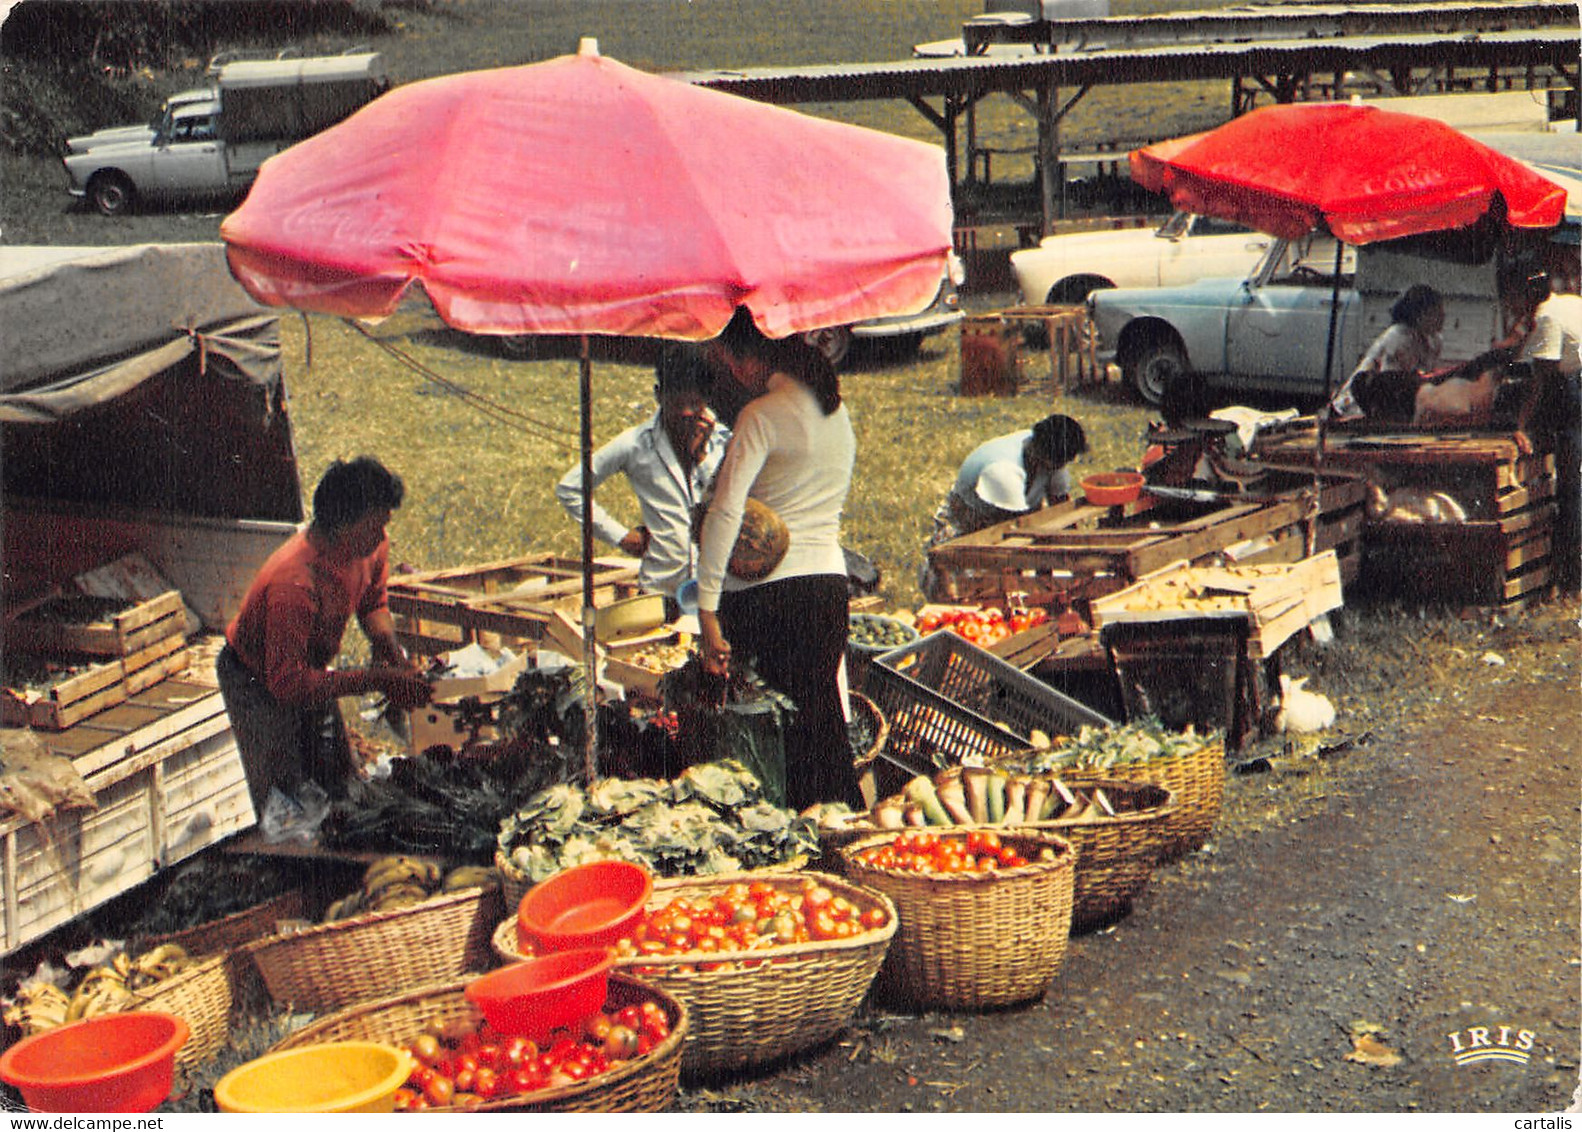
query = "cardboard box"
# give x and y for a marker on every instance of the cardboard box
(502, 679)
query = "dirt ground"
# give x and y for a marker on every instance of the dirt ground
(1429, 885)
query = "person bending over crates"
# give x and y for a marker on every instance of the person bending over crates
(274, 673)
(1000, 479)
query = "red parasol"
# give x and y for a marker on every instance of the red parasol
(580, 196)
(1366, 173)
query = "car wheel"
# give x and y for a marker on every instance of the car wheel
(1154, 367)
(834, 342)
(111, 193)
(899, 348)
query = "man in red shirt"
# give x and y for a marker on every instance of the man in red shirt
(274, 670)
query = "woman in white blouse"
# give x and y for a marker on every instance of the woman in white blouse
(792, 449)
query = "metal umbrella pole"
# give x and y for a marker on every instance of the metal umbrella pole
(1329, 392)
(590, 705)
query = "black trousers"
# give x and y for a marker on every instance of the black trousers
(793, 633)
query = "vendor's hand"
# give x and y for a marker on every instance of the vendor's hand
(1523, 444)
(404, 689)
(716, 649)
(636, 541)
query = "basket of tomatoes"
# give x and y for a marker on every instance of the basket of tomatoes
(768, 963)
(985, 914)
(624, 1057)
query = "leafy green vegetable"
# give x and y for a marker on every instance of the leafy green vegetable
(1099, 748)
(712, 818)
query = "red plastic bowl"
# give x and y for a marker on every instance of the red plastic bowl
(1111, 489)
(592, 905)
(533, 997)
(112, 1063)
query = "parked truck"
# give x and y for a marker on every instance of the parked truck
(210, 141)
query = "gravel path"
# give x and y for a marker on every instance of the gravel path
(1425, 884)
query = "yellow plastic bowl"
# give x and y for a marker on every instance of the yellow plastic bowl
(334, 1077)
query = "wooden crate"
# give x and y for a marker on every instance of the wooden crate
(1083, 551)
(1275, 601)
(144, 624)
(499, 604)
(1498, 554)
(99, 687)
(168, 780)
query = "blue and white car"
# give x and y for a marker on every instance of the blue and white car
(1265, 331)
(1268, 332)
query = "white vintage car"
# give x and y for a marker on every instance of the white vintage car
(1065, 268)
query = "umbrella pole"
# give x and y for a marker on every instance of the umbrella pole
(1329, 392)
(590, 711)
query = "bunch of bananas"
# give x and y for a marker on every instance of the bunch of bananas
(400, 882)
(38, 1006)
(105, 989)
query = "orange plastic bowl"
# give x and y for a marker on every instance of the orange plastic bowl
(533, 997)
(592, 905)
(112, 1063)
(1111, 489)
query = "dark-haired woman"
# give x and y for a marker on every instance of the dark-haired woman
(1410, 344)
(274, 670)
(792, 449)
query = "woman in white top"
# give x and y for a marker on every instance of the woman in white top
(1410, 344)
(792, 449)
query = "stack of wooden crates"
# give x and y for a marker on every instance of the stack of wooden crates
(1462, 518)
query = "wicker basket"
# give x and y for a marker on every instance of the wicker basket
(231, 932)
(643, 1084)
(1115, 855)
(380, 953)
(202, 996)
(973, 940)
(865, 760)
(514, 883)
(1197, 781)
(800, 995)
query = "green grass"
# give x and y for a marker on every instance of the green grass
(481, 489)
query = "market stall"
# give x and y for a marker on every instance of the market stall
(149, 471)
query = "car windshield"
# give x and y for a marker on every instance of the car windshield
(1310, 262)
(1175, 226)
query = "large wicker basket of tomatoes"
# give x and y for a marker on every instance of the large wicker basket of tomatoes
(768, 963)
(985, 914)
(623, 1058)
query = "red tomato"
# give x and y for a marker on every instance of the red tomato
(440, 1090)
(404, 1099)
(621, 1043)
(489, 1056)
(873, 918)
(487, 1083)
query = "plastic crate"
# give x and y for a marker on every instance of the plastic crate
(946, 699)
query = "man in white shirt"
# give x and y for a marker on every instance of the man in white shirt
(669, 460)
(1551, 411)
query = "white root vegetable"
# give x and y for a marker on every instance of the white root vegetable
(890, 814)
(953, 796)
(1037, 795)
(1015, 801)
(912, 814)
(1060, 800)
(975, 779)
